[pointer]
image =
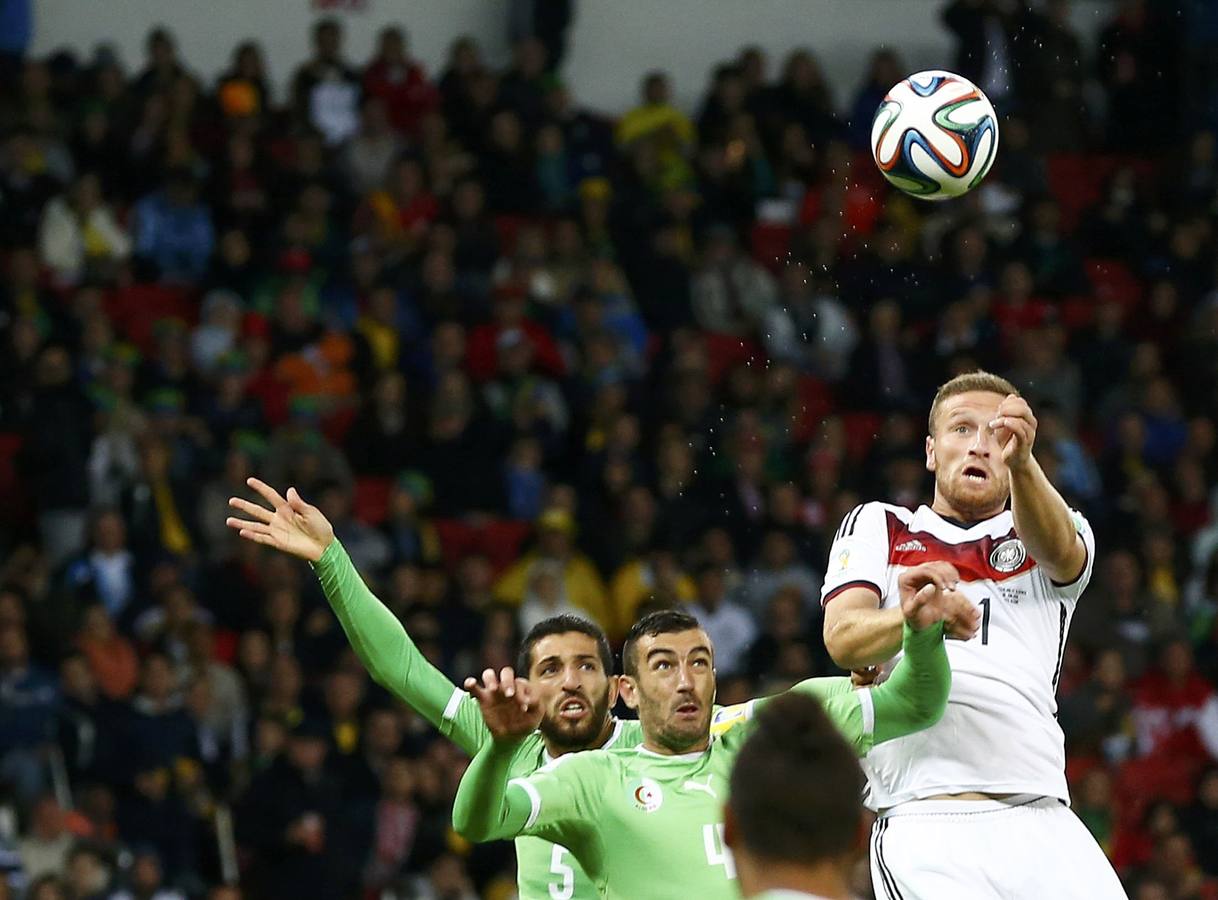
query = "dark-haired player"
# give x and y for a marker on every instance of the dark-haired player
(568, 659)
(647, 820)
(794, 818)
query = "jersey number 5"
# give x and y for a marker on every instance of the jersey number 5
(564, 889)
(717, 852)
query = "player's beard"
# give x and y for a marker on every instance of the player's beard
(974, 502)
(581, 735)
(676, 734)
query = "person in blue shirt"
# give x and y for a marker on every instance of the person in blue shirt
(29, 697)
(174, 231)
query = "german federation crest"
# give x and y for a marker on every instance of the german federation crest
(1008, 556)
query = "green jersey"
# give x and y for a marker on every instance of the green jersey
(648, 825)
(545, 871)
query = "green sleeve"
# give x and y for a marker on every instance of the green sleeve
(557, 802)
(484, 808)
(914, 696)
(391, 657)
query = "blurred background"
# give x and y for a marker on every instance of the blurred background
(551, 306)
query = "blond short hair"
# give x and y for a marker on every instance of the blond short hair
(965, 383)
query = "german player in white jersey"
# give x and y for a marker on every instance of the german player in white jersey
(977, 805)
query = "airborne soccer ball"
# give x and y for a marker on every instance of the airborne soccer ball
(935, 135)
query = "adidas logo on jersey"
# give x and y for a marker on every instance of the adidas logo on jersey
(914, 545)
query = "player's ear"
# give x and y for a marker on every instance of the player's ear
(930, 453)
(615, 682)
(629, 691)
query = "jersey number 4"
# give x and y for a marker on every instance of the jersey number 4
(717, 852)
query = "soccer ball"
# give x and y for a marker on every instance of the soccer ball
(935, 135)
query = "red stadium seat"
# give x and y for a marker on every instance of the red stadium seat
(1112, 281)
(136, 309)
(1076, 312)
(725, 351)
(771, 244)
(371, 504)
(499, 540)
(507, 228)
(13, 498)
(502, 540)
(862, 429)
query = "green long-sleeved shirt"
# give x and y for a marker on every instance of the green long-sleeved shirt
(647, 825)
(545, 870)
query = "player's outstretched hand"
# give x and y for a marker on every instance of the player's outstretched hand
(961, 617)
(1015, 430)
(509, 705)
(942, 575)
(928, 595)
(290, 525)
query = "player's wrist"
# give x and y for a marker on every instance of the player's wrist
(929, 634)
(327, 553)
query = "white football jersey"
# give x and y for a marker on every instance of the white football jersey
(1000, 733)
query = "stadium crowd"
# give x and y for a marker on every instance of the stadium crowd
(530, 360)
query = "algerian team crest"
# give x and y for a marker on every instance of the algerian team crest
(647, 795)
(1008, 556)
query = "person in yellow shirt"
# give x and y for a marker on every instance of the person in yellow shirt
(655, 578)
(582, 584)
(668, 131)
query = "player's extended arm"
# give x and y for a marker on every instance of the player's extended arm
(488, 806)
(914, 696)
(857, 634)
(1042, 518)
(295, 527)
(391, 657)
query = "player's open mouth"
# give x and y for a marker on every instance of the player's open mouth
(976, 474)
(687, 710)
(573, 710)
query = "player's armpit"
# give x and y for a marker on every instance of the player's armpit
(915, 696)
(857, 633)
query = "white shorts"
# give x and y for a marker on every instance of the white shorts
(982, 849)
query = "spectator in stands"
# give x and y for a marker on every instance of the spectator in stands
(400, 82)
(326, 90)
(658, 128)
(26, 718)
(555, 543)
(732, 628)
(44, 850)
(111, 657)
(173, 230)
(79, 236)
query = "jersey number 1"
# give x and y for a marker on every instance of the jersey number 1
(985, 621)
(717, 852)
(564, 889)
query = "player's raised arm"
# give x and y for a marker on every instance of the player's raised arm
(859, 634)
(915, 696)
(293, 526)
(485, 809)
(559, 802)
(1042, 519)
